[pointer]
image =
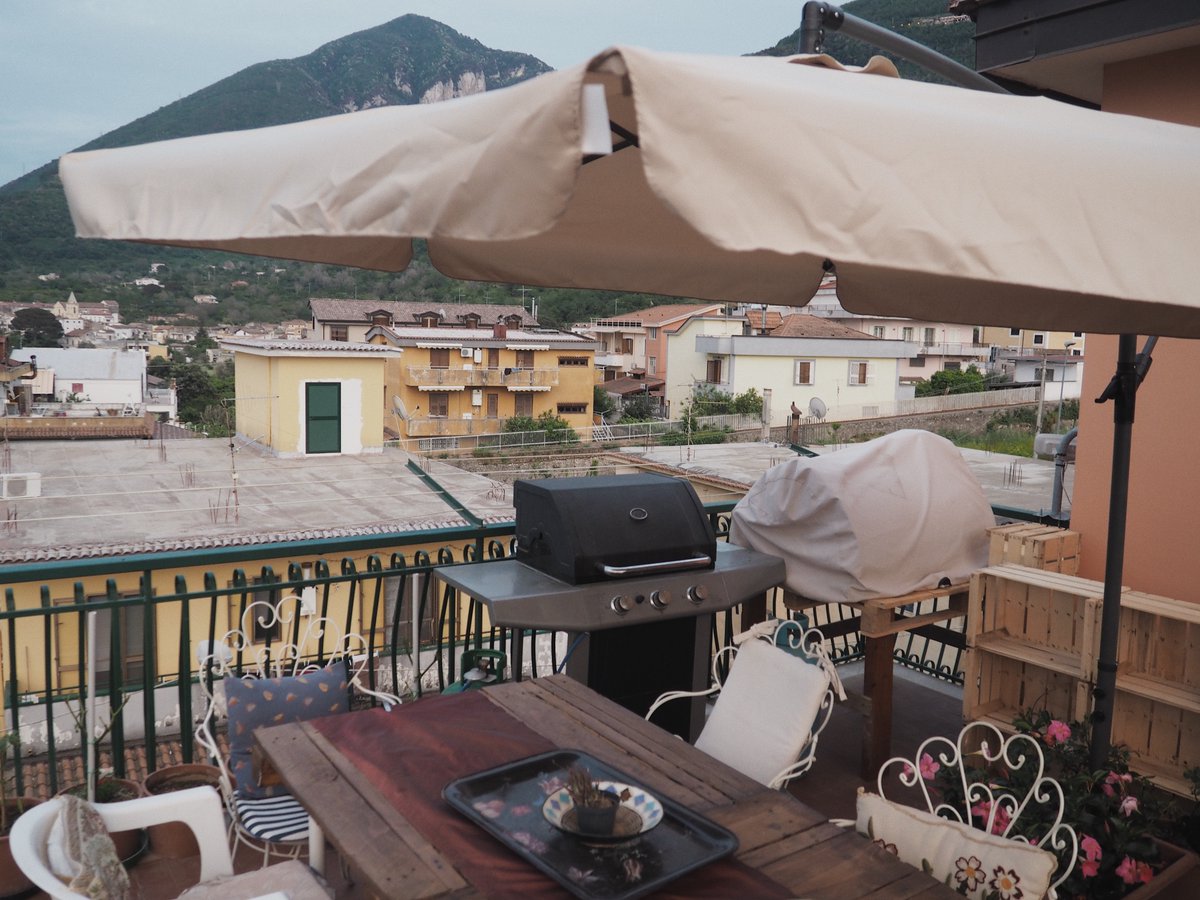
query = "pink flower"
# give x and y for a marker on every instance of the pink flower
(929, 768)
(1091, 848)
(1089, 869)
(982, 809)
(1144, 872)
(1129, 806)
(908, 771)
(1113, 780)
(1057, 732)
(1002, 819)
(1127, 871)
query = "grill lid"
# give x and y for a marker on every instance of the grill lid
(588, 529)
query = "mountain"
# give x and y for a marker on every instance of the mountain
(403, 61)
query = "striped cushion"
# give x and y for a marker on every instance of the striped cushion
(274, 819)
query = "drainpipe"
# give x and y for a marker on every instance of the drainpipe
(1060, 469)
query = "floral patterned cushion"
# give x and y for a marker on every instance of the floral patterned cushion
(258, 702)
(972, 862)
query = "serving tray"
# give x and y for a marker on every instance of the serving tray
(507, 801)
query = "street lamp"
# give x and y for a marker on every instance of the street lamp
(1058, 424)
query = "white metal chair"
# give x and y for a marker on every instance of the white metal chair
(772, 706)
(306, 646)
(199, 808)
(1001, 802)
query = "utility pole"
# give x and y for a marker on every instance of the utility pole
(1037, 429)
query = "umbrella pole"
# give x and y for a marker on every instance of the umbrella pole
(1122, 390)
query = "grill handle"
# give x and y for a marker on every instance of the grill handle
(671, 565)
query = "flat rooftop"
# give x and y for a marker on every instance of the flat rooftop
(136, 496)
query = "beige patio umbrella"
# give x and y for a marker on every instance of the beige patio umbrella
(751, 175)
(730, 179)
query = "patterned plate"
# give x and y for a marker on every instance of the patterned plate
(638, 813)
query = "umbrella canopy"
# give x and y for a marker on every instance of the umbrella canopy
(747, 178)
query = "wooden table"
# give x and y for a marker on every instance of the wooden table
(778, 836)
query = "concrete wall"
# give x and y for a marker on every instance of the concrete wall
(1164, 492)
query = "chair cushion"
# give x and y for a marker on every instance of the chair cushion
(765, 712)
(273, 819)
(972, 862)
(257, 702)
(81, 853)
(292, 880)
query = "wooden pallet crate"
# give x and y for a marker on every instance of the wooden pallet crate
(1043, 547)
(1157, 706)
(1031, 642)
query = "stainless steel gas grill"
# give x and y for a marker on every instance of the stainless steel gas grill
(629, 566)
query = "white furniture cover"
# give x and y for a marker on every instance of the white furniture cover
(878, 519)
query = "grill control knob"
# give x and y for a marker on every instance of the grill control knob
(660, 599)
(621, 604)
(697, 593)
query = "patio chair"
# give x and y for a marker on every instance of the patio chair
(310, 669)
(991, 820)
(774, 704)
(46, 860)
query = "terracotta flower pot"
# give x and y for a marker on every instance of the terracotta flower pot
(128, 843)
(1177, 878)
(175, 840)
(12, 881)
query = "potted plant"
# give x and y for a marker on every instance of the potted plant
(175, 840)
(1118, 816)
(595, 810)
(12, 881)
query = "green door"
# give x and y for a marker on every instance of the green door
(323, 416)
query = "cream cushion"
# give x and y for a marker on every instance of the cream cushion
(971, 861)
(764, 714)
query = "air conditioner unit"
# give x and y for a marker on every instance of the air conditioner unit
(465, 352)
(20, 484)
(477, 398)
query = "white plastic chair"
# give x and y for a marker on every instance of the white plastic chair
(276, 825)
(774, 704)
(199, 808)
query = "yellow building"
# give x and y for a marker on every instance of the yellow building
(308, 397)
(466, 368)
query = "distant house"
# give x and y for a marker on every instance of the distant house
(636, 342)
(855, 375)
(108, 377)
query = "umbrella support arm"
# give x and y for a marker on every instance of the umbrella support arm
(817, 18)
(1122, 390)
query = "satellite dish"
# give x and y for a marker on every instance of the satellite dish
(399, 408)
(816, 408)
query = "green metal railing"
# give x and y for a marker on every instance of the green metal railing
(388, 589)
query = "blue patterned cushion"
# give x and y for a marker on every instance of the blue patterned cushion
(259, 702)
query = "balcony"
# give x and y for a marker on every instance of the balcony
(435, 426)
(432, 377)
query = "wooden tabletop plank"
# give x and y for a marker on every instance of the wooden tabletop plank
(911, 887)
(767, 819)
(845, 866)
(354, 819)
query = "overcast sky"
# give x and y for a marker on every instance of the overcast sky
(71, 70)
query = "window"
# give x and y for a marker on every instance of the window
(1014, 332)
(953, 366)
(471, 320)
(877, 330)
(652, 365)
(626, 345)
(439, 403)
(398, 600)
(1078, 334)
(907, 333)
(652, 333)
(859, 369)
(493, 357)
(917, 362)
(493, 406)
(930, 337)
(1039, 339)
(524, 359)
(132, 628)
(573, 408)
(713, 371)
(1043, 374)
(429, 320)
(381, 318)
(440, 358)
(265, 627)
(523, 405)
(802, 371)
(572, 360)
(339, 332)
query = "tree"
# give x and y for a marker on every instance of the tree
(638, 408)
(38, 327)
(949, 381)
(602, 401)
(556, 429)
